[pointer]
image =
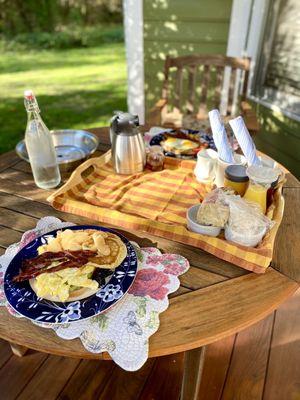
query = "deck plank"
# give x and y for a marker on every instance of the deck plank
(283, 377)
(249, 361)
(5, 352)
(50, 379)
(164, 382)
(17, 372)
(216, 365)
(129, 384)
(88, 381)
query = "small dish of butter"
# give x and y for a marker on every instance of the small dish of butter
(194, 226)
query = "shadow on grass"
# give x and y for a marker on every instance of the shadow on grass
(74, 109)
(12, 62)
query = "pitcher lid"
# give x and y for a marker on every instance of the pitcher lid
(124, 123)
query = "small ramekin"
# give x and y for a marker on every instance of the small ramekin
(194, 226)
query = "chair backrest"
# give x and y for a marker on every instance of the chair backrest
(202, 81)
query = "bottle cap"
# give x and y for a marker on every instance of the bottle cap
(236, 173)
(28, 94)
(261, 174)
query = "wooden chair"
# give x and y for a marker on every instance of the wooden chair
(194, 84)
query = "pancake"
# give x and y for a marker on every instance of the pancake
(117, 254)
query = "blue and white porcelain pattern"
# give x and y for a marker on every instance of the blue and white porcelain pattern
(23, 299)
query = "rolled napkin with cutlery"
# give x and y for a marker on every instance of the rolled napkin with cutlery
(220, 137)
(245, 141)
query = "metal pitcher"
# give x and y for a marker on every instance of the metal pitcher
(127, 144)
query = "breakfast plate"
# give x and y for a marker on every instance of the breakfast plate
(113, 283)
(182, 143)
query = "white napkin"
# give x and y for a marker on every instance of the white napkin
(245, 141)
(220, 137)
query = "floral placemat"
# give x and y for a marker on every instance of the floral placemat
(124, 330)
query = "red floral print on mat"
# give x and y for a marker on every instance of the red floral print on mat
(27, 238)
(155, 260)
(172, 263)
(150, 282)
(174, 268)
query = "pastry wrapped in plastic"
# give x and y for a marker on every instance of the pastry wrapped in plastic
(247, 225)
(214, 211)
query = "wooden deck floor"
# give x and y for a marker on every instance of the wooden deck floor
(261, 362)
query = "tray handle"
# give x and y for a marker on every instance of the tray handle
(77, 175)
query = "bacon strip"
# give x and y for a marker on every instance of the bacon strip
(39, 265)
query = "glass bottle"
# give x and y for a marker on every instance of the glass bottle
(40, 147)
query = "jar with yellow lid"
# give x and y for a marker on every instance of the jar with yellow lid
(235, 177)
(260, 180)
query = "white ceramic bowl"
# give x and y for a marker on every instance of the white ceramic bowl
(194, 226)
(240, 238)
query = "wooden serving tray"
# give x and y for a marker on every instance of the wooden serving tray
(156, 202)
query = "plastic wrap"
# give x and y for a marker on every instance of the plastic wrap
(243, 220)
(246, 224)
(214, 211)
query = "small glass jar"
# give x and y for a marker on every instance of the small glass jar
(261, 179)
(235, 177)
(155, 158)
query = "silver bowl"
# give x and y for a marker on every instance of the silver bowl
(72, 148)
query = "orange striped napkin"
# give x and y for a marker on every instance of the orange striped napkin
(156, 203)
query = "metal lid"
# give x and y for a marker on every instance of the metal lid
(236, 173)
(124, 123)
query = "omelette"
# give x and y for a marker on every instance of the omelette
(179, 146)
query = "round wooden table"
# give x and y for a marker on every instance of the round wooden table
(215, 299)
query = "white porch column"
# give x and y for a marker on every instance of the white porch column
(133, 26)
(245, 31)
(237, 37)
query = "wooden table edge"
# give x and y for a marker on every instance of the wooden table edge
(165, 351)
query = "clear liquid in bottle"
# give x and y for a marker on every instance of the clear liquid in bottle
(40, 146)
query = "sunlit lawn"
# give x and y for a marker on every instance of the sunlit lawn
(76, 88)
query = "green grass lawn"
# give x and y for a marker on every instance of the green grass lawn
(75, 88)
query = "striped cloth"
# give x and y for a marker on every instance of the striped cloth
(152, 202)
(245, 141)
(220, 137)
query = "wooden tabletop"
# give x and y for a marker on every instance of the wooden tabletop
(215, 298)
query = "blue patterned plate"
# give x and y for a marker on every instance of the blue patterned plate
(24, 300)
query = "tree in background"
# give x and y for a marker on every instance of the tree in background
(19, 16)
